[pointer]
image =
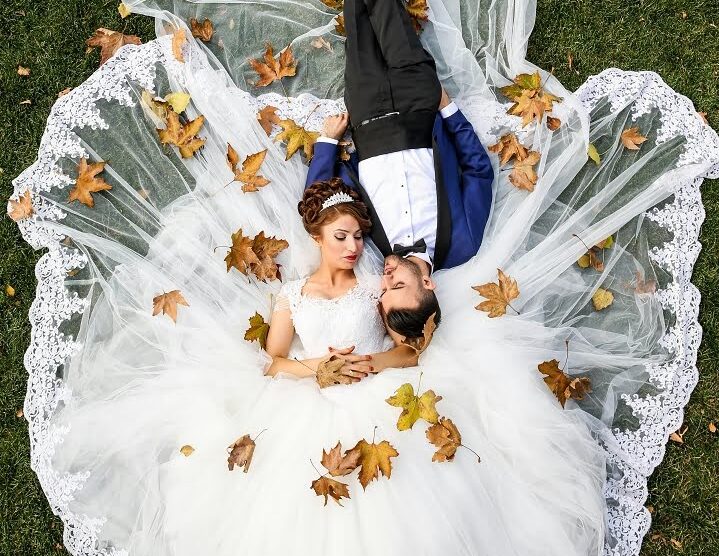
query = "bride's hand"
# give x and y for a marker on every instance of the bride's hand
(335, 126)
(356, 367)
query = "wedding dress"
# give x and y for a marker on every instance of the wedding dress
(131, 413)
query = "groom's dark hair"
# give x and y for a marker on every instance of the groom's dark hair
(410, 322)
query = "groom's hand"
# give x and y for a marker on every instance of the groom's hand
(445, 100)
(356, 367)
(335, 126)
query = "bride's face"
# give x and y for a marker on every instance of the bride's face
(341, 242)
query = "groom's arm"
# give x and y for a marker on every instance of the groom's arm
(324, 158)
(477, 172)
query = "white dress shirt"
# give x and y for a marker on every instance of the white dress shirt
(403, 190)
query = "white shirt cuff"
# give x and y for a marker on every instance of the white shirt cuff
(448, 110)
(323, 139)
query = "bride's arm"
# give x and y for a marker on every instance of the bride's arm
(279, 339)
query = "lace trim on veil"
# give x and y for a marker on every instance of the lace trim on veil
(53, 304)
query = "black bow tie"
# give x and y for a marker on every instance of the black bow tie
(402, 251)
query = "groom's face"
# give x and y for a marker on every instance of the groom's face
(402, 282)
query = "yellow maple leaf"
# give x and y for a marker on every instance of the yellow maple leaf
(248, 176)
(414, 407)
(297, 136)
(183, 136)
(374, 458)
(257, 332)
(602, 299)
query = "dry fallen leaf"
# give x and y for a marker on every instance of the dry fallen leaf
(273, 70)
(266, 249)
(523, 175)
(241, 255)
(420, 344)
(631, 138)
(374, 458)
(268, 116)
(23, 71)
(22, 208)
(561, 384)
(251, 181)
(445, 436)
(325, 486)
(339, 464)
(334, 4)
(241, 452)
(178, 101)
(553, 123)
(498, 295)
(64, 92)
(187, 450)
(509, 147)
(26, 101)
(328, 372)
(591, 257)
(712, 427)
(602, 299)
(320, 42)
(703, 116)
(202, 31)
(123, 10)
(414, 407)
(87, 183)
(340, 25)
(109, 42)
(183, 136)
(593, 153)
(530, 99)
(9, 291)
(297, 136)
(418, 11)
(167, 303)
(178, 39)
(257, 332)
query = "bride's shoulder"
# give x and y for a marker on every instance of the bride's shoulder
(371, 284)
(290, 293)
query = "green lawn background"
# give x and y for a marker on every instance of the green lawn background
(678, 39)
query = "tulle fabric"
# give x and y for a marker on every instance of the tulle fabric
(114, 391)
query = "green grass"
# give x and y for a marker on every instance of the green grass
(48, 37)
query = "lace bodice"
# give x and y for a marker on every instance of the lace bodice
(351, 319)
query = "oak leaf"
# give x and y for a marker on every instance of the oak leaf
(87, 183)
(631, 138)
(328, 372)
(523, 175)
(241, 256)
(509, 147)
(257, 332)
(247, 175)
(297, 136)
(202, 31)
(241, 452)
(602, 299)
(325, 486)
(109, 42)
(273, 70)
(498, 295)
(167, 303)
(339, 464)
(445, 436)
(266, 249)
(22, 208)
(374, 458)
(268, 116)
(414, 407)
(183, 136)
(561, 384)
(178, 39)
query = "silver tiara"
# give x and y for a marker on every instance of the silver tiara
(336, 199)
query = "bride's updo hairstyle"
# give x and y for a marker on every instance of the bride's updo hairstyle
(314, 216)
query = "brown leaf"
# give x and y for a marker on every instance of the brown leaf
(268, 116)
(320, 42)
(273, 70)
(340, 25)
(334, 4)
(109, 42)
(678, 435)
(241, 256)
(712, 427)
(498, 295)
(22, 208)
(631, 138)
(523, 175)
(187, 450)
(561, 384)
(703, 116)
(324, 486)
(373, 458)
(248, 176)
(266, 249)
(178, 39)
(87, 184)
(553, 123)
(202, 31)
(339, 464)
(183, 136)
(509, 147)
(645, 286)
(328, 372)
(418, 12)
(257, 332)
(421, 344)
(602, 299)
(296, 137)
(64, 92)
(344, 150)
(241, 452)
(167, 303)
(530, 99)
(445, 436)
(23, 71)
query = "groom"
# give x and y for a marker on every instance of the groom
(419, 166)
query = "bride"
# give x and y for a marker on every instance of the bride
(158, 423)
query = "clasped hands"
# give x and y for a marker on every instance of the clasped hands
(355, 367)
(335, 126)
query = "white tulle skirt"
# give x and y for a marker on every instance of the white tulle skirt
(115, 392)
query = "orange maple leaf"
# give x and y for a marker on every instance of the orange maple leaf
(22, 208)
(167, 304)
(273, 70)
(498, 295)
(87, 183)
(109, 42)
